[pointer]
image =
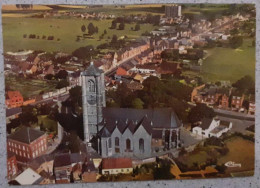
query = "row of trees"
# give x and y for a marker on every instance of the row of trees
(33, 36)
(121, 26)
(91, 28)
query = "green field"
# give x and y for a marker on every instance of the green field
(64, 29)
(240, 151)
(229, 64)
(29, 87)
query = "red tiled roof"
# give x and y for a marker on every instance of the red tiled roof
(120, 71)
(12, 94)
(114, 163)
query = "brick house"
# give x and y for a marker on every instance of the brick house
(12, 168)
(89, 172)
(27, 143)
(117, 166)
(13, 99)
(65, 164)
(237, 102)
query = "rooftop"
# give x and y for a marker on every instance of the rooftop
(92, 71)
(115, 163)
(26, 135)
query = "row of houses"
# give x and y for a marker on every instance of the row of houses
(222, 97)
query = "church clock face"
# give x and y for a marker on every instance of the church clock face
(91, 99)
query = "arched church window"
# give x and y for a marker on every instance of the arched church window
(141, 145)
(128, 144)
(91, 86)
(116, 141)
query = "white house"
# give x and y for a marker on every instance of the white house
(212, 127)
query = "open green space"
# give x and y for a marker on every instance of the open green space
(241, 151)
(47, 124)
(29, 87)
(65, 32)
(229, 64)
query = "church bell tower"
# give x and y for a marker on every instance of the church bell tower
(93, 100)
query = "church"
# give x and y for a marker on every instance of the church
(125, 132)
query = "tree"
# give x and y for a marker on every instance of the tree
(91, 28)
(137, 27)
(121, 26)
(170, 54)
(221, 168)
(164, 171)
(236, 41)
(84, 52)
(199, 112)
(83, 28)
(113, 24)
(137, 103)
(49, 76)
(28, 115)
(62, 84)
(114, 39)
(62, 74)
(76, 95)
(245, 85)
(96, 29)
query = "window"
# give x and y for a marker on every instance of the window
(109, 143)
(128, 144)
(91, 86)
(116, 141)
(23, 148)
(141, 145)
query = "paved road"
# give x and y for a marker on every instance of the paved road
(235, 115)
(238, 125)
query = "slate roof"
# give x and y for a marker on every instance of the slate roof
(89, 167)
(157, 134)
(13, 111)
(132, 119)
(206, 123)
(61, 160)
(26, 135)
(92, 71)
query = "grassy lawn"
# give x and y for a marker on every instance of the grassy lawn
(240, 151)
(29, 87)
(230, 64)
(65, 29)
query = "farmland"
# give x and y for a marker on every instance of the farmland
(29, 87)
(230, 64)
(66, 30)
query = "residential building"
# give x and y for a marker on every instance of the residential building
(172, 11)
(27, 143)
(30, 177)
(65, 164)
(12, 169)
(209, 127)
(12, 113)
(117, 166)
(13, 99)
